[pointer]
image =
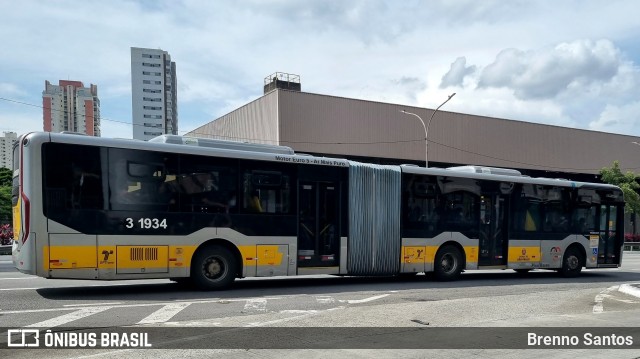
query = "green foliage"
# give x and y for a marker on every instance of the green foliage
(627, 182)
(5, 177)
(5, 204)
(5, 195)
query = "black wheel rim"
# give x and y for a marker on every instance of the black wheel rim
(214, 268)
(572, 262)
(448, 263)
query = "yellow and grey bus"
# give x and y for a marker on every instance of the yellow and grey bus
(208, 211)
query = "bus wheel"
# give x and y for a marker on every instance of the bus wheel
(448, 264)
(213, 268)
(571, 263)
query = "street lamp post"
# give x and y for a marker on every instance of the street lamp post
(426, 128)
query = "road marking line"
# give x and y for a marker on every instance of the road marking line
(36, 310)
(22, 278)
(598, 308)
(630, 289)
(277, 321)
(9, 289)
(164, 314)
(124, 306)
(259, 305)
(192, 324)
(262, 324)
(90, 304)
(358, 301)
(67, 318)
(325, 300)
(629, 301)
(298, 311)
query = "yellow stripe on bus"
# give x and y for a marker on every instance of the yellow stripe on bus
(524, 254)
(69, 257)
(16, 220)
(105, 257)
(427, 254)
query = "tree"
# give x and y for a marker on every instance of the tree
(5, 195)
(627, 182)
(5, 177)
(5, 204)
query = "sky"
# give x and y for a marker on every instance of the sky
(567, 63)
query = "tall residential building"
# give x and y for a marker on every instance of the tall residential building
(71, 107)
(153, 93)
(6, 149)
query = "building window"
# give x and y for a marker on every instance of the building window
(151, 91)
(150, 65)
(151, 108)
(152, 99)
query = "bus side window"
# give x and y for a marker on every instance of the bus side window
(254, 204)
(266, 192)
(86, 192)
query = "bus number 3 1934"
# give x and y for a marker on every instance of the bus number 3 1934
(146, 223)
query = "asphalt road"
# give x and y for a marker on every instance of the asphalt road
(481, 299)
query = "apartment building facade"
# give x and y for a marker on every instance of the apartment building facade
(69, 106)
(153, 93)
(6, 149)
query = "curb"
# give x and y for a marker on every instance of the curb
(630, 289)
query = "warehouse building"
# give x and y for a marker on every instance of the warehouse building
(378, 132)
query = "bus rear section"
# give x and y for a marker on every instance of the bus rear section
(23, 249)
(491, 221)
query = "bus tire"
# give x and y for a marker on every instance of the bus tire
(213, 268)
(448, 264)
(572, 263)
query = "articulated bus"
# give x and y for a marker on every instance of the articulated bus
(208, 211)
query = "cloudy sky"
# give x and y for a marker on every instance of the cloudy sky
(567, 63)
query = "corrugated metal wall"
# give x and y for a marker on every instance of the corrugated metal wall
(342, 126)
(334, 125)
(255, 122)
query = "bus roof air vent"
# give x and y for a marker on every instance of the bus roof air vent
(222, 144)
(74, 133)
(486, 170)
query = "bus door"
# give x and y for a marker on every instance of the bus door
(608, 251)
(318, 224)
(493, 230)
